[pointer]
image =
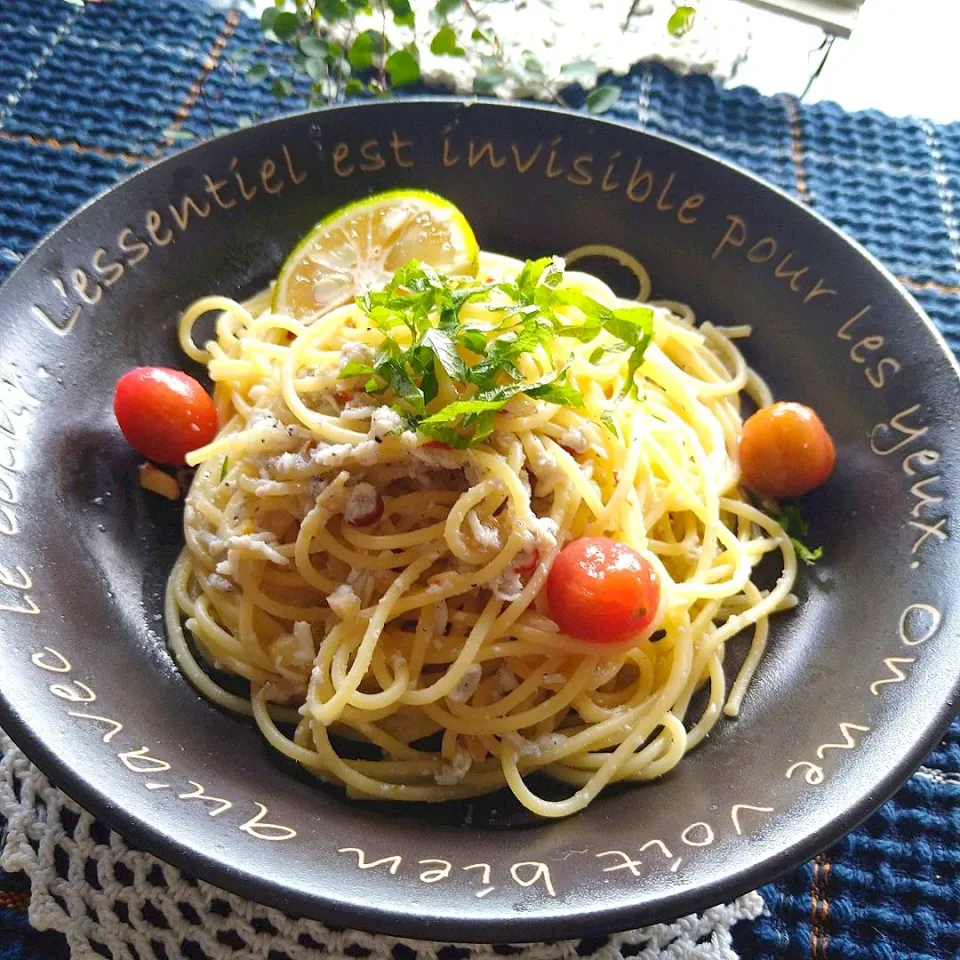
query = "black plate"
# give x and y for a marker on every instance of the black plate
(857, 683)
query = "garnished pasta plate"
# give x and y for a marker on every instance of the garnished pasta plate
(485, 607)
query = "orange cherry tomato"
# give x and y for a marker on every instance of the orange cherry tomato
(602, 591)
(163, 413)
(785, 450)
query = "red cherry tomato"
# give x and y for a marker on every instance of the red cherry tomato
(163, 413)
(602, 591)
(785, 450)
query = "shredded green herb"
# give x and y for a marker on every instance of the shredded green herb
(606, 418)
(428, 305)
(223, 468)
(797, 527)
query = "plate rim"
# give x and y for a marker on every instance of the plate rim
(388, 919)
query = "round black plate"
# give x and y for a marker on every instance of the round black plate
(857, 683)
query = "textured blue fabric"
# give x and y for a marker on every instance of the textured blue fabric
(86, 92)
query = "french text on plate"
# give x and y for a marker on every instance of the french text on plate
(141, 761)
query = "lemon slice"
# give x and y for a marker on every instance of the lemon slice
(360, 247)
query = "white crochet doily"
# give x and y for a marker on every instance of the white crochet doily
(111, 901)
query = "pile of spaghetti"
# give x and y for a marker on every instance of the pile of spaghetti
(369, 536)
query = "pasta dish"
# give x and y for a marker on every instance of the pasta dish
(458, 527)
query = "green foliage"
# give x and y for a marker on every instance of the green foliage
(578, 70)
(428, 305)
(281, 87)
(606, 418)
(285, 25)
(403, 67)
(257, 73)
(445, 42)
(601, 99)
(402, 12)
(796, 527)
(681, 20)
(360, 55)
(368, 63)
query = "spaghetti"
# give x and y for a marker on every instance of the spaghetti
(383, 593)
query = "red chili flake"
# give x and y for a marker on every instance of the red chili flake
(528, 565)
(369, 518)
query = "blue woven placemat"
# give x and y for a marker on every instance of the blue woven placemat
(86, 93)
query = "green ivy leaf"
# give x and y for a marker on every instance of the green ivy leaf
(402, 68)
(257, 73)
(313, 46)
(445, 43)
(402, 12)
(267, 18)
(601, 99)
(332, 9)
(285, 25)
(487, 80)
(533, 66)
(353, 87)
(681, 21)
(578, 70)
(316, 68)
(281, 87)
(361, 52)
(479, 34)
(444, 8)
